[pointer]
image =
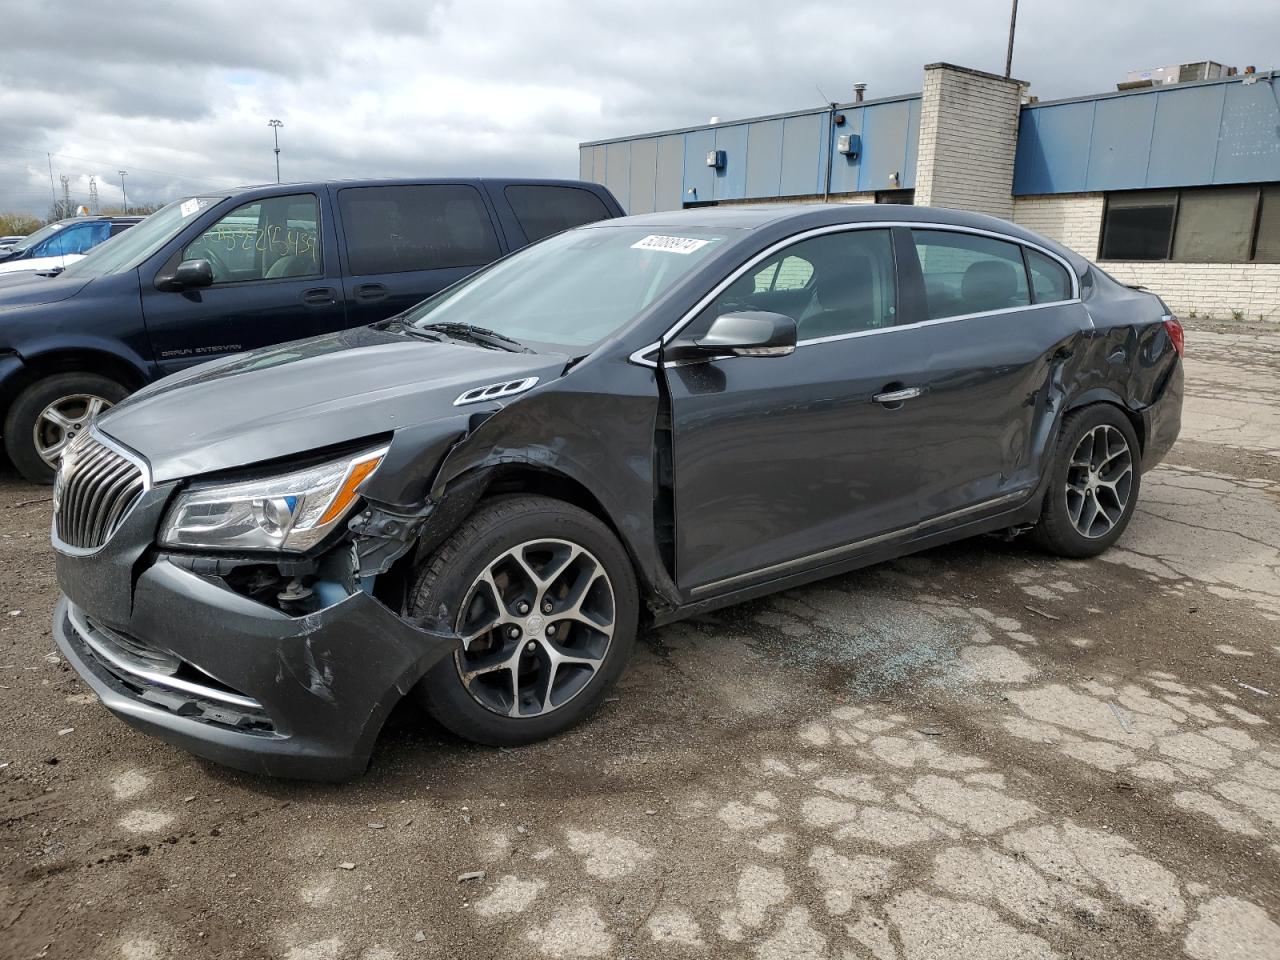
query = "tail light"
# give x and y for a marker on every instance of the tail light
(1174, 329)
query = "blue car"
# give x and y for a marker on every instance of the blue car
(223, 273)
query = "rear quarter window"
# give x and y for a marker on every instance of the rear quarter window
(544, 210)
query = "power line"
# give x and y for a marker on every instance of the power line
(108, 163)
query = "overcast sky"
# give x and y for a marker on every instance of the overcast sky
(179, 93)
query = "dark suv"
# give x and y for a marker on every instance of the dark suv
(219, 274)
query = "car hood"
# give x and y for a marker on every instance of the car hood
(40, 263)
(300, 396)
(26, 288)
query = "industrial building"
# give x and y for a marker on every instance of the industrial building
(1172, 184)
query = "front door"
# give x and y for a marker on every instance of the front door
(275, 278)
(781, 461)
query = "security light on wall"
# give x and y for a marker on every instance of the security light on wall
(848, 144)
(715, 159)
(894, 179)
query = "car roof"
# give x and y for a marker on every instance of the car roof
(109, 217)
(803, 216)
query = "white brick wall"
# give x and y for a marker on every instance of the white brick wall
(1208, 289)
(868, 197)
(968, 135)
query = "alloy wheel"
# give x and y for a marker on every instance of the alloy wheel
(536, 627)
(1099, 481)
(62, 421)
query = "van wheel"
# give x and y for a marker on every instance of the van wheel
(49, 414)
(1094, 486)
(545, 600)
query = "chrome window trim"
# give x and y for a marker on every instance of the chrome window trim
(769, 251)
(136, 459)
(848, 549)
(933, 323)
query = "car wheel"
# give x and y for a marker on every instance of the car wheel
(1094, 485)
(545, 600)
(49, 414)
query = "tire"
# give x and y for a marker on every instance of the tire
(1068, 526)
(544, 532)
(26, 410)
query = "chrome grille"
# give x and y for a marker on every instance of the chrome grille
(95, 487)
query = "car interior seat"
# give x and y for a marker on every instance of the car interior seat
(843, 297)
(990, 285)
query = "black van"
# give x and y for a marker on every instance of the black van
(222, 273)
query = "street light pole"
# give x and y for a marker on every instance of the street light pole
(275, 126)
(124, 196)
(1008, 57)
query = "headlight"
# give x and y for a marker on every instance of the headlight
(293, 511)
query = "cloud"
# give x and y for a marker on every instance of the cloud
(179, 94)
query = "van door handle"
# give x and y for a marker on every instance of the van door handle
(898, 396)
(318, 295)
(370, 292)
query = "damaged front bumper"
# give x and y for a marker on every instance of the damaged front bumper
(186, 658)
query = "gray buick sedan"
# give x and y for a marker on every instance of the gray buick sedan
(477, 503)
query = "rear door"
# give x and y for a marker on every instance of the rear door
(995, 342)
(403, 243)
(782, 462)
(275, 279)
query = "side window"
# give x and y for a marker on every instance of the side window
(544, 210)
(1049, 281)
(67, 240)
(830, 285)
(119, 228)
(429, 227)
(267, 239)
(968, 273)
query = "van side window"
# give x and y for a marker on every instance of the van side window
(969, 273)
(543, 210)
(269, 239)
(1049, 282)
(428, 227)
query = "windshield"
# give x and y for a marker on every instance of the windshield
(26, 243)
(574, 289)
(126, 250)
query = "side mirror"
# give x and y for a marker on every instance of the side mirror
(189, 275)
(750, 333)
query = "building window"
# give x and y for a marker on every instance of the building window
(1198, 225)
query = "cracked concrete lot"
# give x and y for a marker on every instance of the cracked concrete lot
(979, 751)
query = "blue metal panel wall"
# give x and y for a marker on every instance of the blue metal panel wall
(908, 175)
(585, 157)
(1186, 135)
(644, 176)
(1121, 142)
(699, 179)
(731, 182)
(844, 171)
(885, 135)
(617, 171)
(764, 158)
(670, 180)
(803, 155)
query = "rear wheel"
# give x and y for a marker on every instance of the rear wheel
(1094, 486)
(546, 603)
(49, 414)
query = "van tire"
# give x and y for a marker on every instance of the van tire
(20, 422)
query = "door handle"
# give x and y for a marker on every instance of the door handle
(369, 292)
(890, 397)
(318, 295)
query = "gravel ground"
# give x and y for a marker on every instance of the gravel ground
(977, 751)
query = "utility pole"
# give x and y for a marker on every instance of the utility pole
(66, 195)
(1008, 57)
(275, 126)
(124, 196)
(93, 195)
(52, 190)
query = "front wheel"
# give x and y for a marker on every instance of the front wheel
(49, 414)
(545, 600)
(1094, 485)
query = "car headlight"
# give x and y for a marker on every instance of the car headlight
(292, 511)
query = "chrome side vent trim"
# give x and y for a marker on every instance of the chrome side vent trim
(496, 391)
(96, 487)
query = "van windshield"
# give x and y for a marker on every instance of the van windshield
(128, 249)
(574, 289)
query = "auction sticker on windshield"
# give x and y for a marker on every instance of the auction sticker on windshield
(685, 245)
